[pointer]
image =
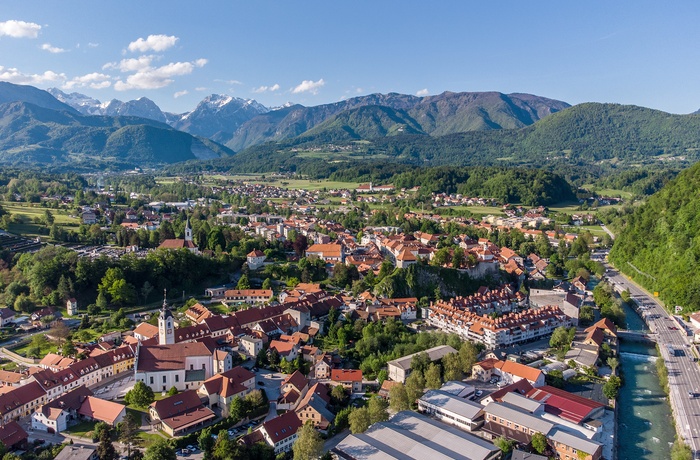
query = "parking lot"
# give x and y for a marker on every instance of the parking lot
(271, 382)
(117, 389)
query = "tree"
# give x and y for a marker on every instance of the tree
(415, 384)
(106, 450)
(225, 448)
(680, 450)
(338, 393)
(39, 342)
(539, 442)
(504, 444)
(433, 377)
(377, 408)
(141, 395)
(453, 366)
(398, 398)
(612, 387)
(382, 376)
(613, 363)
(172, 391)
(68, 349)
(359, 420)
(60, 331)
(128, 430)
(206, 442)
(237, 408)
(420, 362)
(243, 282)
(561, 338)
(585, 315)
(267, 284)
(468, 354)
(309, 445)
(160, 450)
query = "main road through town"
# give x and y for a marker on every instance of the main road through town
(675, 347)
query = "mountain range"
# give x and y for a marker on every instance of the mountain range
(240, 123)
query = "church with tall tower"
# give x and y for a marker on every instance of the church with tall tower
(166, 326)
(178, 243)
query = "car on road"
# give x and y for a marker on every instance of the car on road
(479, 393)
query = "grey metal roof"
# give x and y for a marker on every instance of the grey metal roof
(456, 387)
(409, 435)
(522, 402)
(519, 416)
(434, 354)
(576, 441)
(451, 403)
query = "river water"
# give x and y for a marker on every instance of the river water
(645, 425)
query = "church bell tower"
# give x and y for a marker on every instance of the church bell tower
(166, 329)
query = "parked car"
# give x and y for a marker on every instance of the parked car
(479, 393)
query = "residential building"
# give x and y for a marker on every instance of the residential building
(330, 253)
(281, 431)
(351, 379)
(77, 452)
(222, 388)
(72, 307)
(510, 372)
(7, 316)
(314, 407)
(249, 345)
(55, 416)
(13, 436)
(400, 368)
(178, 414)
(292, 390)
(255, 259)
(98, 409)
(21, 401)
(248, 295)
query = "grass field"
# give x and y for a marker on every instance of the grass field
(61, 217)
(609, 191)
(82, 429)
(28, 349)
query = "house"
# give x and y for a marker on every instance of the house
(145, 331)
(13, 436)
(405, 259)
(249, 345)
(255, 259)
(411, 435)
(329, 253)
(511, 372)
(222, 388)
(351, 379)
(72, 307)
(184, 366)
(21, 401)
(294, 387)
(101, 410)
(89, 217)
(452, 409)
(77, 452)
(400, 368)
(55, 416)
(180, 413)
(322, 367)
(314, 407)
(248, 295)
(7, 316)
(197, 313)
(286, 350)
(11, 379)
(281, 431)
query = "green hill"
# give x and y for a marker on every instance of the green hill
(30, 134)
(662, 240)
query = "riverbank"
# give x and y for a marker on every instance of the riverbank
(645, 423)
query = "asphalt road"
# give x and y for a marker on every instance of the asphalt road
(683, 372)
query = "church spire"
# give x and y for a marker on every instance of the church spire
(188, 230)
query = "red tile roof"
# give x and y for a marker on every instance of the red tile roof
(282, 427)
(12, 434)
(564, 404)
(346, 375)
(99, 409)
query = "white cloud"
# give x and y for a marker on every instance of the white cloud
(229, 82)
(19, 29)
(180, 93)
(264, 89)
(93, 45)
(131, 64)
(13, 75)
(308, 86)
(93, 80)
(156, 43)
(422, 92)
(157, 77)
(52, 49)
(201, 88)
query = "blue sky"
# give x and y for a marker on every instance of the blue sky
(314, 52)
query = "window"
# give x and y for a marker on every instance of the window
(151, 380)
(177, 378)
(163, 379)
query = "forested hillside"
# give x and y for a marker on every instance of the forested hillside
(662, 240)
